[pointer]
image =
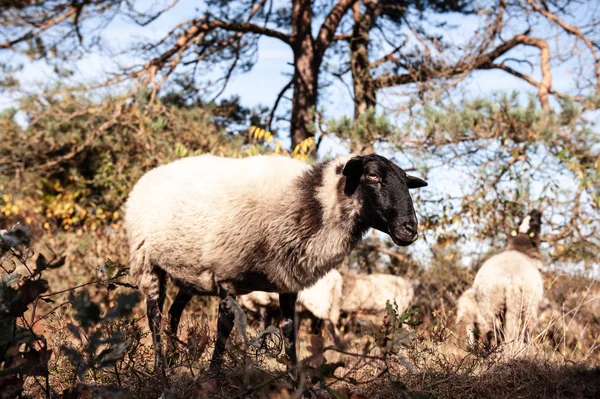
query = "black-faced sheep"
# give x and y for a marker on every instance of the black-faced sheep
(507, 291)
(221, 226)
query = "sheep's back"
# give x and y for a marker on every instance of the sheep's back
(368, 293)
(200, 211)
(508, 273)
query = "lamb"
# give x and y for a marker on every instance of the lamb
(369, 293)
(221, 226)
(508, 289)
(322, 300)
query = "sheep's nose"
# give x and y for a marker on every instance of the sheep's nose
(410, 230)
(406, 231)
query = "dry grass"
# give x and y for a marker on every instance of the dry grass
(561, 362)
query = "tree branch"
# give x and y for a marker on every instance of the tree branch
(249, 28)
(573, 30)
(33, 33)
(203, 26)
(402, 258)
(485, 61)
(330, 25)
(277, 100)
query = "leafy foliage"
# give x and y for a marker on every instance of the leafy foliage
(24, 353)
(99, 351)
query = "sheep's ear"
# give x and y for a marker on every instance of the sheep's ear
(354, 167)
(353, 170)
(415, 182)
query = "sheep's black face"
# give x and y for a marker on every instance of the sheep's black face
(529, 230)
(383, 189)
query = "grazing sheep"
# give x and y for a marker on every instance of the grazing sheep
(468, 315)
(322, 300)
(507, 289)
(221, 226)
(368, 293)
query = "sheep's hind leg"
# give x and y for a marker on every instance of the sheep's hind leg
(154, 305)
(224, 326)
(287, 304)
(181, 300)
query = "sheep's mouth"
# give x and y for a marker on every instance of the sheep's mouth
(401, 242)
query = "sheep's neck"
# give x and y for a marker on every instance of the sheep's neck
(526, 245)
(324, 222)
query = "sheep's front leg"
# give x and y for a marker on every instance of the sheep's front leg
(224, 326)
(175, 311)
(287, 304)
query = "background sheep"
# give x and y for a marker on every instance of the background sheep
(508, 288)
(322, 301)
(224, 227)
(368, 293)
(468, 315)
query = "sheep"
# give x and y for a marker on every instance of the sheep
(322, 300)
(508, 289)
(468, 315)
(369, 293)
(222, 226)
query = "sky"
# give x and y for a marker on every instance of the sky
(270, 74)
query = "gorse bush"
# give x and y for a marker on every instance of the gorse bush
(74, 163)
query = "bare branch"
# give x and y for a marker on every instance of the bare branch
(384, 250)
(545, 85)
(277, 100)
(573, 30)
(248, 28)
(485, 61)
(330, 25)
(151, 18)
(34, 32)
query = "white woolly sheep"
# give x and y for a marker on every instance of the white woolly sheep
(221, 226)
(322, 300)
(368, 293)
(508, 289)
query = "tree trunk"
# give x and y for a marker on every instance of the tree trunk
(304, 101)
(364, 89)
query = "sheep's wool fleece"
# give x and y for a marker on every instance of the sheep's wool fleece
(368, 293)
(246, 221)
(510, 279)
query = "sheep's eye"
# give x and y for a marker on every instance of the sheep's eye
(532, 234)
(513, 233)
(372, 177)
